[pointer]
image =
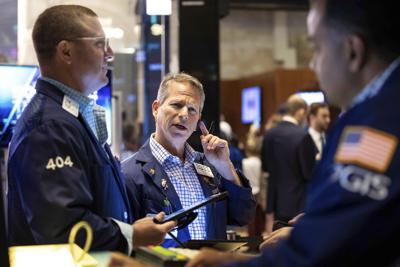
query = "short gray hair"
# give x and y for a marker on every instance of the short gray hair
(180, 78)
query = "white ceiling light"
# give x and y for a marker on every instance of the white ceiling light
(114, 32)
(158, 7)
(156, 29)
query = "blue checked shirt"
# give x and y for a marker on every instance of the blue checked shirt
(186, 182)
(92, 113)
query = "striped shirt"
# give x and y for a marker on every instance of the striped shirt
(185, 181)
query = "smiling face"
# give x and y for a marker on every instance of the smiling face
(177, 116)
(90, 57)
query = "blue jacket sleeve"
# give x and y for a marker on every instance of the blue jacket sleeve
(53, 175)
(241, 203)
(346, 229)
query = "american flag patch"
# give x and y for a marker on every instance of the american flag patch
(366, 147)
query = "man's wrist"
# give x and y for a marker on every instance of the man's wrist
(229, 173)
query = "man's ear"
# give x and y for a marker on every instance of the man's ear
(63, 51)
(154, 107)
(356, 53)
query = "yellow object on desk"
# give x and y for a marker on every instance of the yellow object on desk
(60, 255)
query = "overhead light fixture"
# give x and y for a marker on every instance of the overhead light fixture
(158, 7)
(156, 29)
(114, 32)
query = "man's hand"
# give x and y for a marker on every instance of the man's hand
(280, 234)
(216, 151)
(276, 236)
(120, 260)
(210, 258)
(146, 232)
(296, 219)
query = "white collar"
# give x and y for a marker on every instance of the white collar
(291, 119)
(314, 133)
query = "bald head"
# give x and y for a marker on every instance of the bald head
(297, 108)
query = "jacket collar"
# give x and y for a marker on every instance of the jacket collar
(376, 84)
(153, 169)
(49, 90)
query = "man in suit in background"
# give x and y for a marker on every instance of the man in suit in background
(288, 155)
(319, 119)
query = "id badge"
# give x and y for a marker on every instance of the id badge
(203, 170)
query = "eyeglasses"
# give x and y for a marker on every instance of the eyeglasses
(101, 41)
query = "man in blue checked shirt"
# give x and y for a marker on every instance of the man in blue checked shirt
(60, 169)
(167, 174)
(352, 215)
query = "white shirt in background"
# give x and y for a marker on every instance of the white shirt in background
(317, 138)
(252, 170)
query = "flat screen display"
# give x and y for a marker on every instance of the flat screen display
(17, 87)
(3, 240)
(251, 104)
(312, 96)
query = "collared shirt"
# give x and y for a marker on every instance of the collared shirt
(375, 85)
(318, 138)
(290, 119)
(93, 114)
(186, 182)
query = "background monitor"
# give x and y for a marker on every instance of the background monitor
(251, 104)
(4, 260)
(17, 86)
(312, 96)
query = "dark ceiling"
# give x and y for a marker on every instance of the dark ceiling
(268, 4)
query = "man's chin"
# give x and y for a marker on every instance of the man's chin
(180, 136)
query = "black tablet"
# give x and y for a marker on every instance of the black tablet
(184, 212)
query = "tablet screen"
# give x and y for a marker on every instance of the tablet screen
(183, 212)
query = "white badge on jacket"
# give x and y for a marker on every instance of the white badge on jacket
(203, 170)
(70, 105)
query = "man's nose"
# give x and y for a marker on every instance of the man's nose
(184, 113)
(109, 54)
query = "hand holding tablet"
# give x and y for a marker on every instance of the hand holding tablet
(183, 215)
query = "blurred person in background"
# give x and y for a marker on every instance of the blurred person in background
(318, 120)
(253, 171)
(129, 145)
(288, 155)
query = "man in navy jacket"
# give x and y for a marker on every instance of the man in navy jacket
(166, 174)
(352, 214)
(288, 155)
(60, 169)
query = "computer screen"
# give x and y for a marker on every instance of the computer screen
(17, 86)
(312, 96)
(3, 233)
(251, 104)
